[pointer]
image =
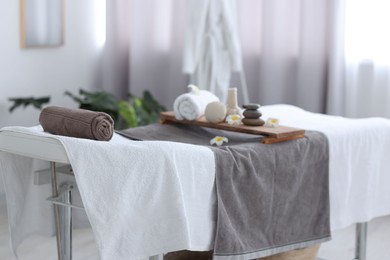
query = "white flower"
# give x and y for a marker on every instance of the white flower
(218, 140)
(233, 119)
(194, 89)
(272, 122)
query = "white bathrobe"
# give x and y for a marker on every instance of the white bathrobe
(212, 48)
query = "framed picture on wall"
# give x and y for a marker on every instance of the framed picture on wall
(41, 23)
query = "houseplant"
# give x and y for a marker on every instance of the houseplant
(133, 112)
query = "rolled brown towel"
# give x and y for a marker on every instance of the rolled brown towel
(77, 123)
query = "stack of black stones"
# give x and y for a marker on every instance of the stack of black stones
(252, 115)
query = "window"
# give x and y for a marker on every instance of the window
(367, 31)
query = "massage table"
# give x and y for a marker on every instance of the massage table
(52, 150)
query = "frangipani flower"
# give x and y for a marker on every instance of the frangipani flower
(218, 140)
(194, 89)
(233, 119)
(272, 122)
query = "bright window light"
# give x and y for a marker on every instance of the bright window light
(367, 36)
(100, 22)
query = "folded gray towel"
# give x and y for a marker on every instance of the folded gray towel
(77, 123)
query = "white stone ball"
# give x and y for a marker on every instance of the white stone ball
(215, 112)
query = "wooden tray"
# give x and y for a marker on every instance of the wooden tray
(272, 134)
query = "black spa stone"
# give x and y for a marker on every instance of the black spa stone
(251, 106)
(252, 113)
(252, 122)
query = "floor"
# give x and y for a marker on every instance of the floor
(341, 247)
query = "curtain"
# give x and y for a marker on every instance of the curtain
(324, 56)
(360, 67)
(156, 48)
(284, 45)
(114, 69)
(285, 51)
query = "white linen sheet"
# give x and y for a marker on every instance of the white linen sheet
(359, 169)
(142, 198)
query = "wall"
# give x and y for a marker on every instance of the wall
(47, 71)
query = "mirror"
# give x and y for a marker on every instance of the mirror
(41, 23)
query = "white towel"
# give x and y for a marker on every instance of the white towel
(142, 198)
(192, 105)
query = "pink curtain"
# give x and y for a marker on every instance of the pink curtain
(157, 36)
(114, 76)
(285, 48)
(284, 45)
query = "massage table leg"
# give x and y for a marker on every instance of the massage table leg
(63, 216)
(54, 193)
(66, 221)
(361, 241)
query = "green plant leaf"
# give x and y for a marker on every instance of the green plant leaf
(150, 104)
(97, 101)
(136, 112)
(142, 115)
(128, 113)
(35, 102)
(102, 100)
(76, 99)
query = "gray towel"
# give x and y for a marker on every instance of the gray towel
(77, 123)
(272, 198)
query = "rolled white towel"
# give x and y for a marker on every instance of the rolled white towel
(192, 105)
